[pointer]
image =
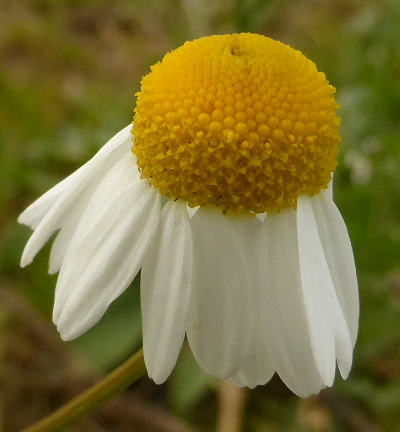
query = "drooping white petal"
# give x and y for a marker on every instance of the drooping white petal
(191, 211)
(165, 291)
(282, 301)
(339, 255)
(328, 192)
(329, 332)
(49, 212)
(107, 249)
(261, 216)
(257, 365)
(37, 210)
(219, 312)
(33, 215)
(63, 239)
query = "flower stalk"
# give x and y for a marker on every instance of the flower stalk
(91, 399)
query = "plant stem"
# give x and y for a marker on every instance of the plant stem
(87, 402)
(232, 402)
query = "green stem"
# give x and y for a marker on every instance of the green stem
(87, 402)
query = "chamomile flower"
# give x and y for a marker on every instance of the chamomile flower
(220, 193)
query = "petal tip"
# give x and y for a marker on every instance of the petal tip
(67, 334)
(25, 261)
(21, 219)
(52, 269)
(25, 219)
(158, 376)
(344, 368)
(158, 380)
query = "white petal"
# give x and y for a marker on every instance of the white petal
(329, 190)
(218, 319)
(165, 291)
(191, 210)
(261, 216)
(107, 249)
(329, 332)
(339, 255)
(33, 215)
(47, 214)
(278, 278)
(63, 239)
(257, 366)
(36, 211)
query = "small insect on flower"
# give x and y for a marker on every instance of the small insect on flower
(220, 193)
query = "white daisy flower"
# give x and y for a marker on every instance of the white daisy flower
(224, 202)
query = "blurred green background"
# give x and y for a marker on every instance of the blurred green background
(68, 72)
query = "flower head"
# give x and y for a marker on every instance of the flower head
(226, 127)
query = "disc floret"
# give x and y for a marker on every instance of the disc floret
(238, 121)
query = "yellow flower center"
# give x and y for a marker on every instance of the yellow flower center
(238, 121)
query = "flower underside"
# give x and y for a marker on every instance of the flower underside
(239, 121)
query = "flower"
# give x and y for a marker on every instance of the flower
(224, 202)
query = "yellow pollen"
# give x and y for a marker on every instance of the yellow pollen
(238, 121)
